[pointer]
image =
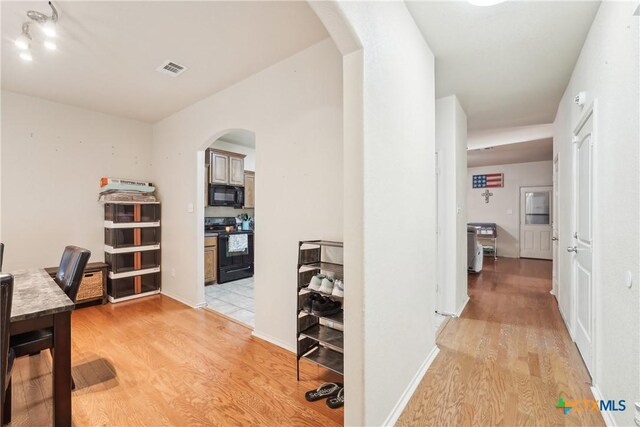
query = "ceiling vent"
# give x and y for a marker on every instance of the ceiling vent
(171, 68)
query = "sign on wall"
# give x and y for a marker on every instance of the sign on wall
(491, 180)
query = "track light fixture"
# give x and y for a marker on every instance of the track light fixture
(48, 26)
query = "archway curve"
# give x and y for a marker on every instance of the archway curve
(201, 202)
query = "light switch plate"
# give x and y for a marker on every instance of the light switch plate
(190, 208)
(509, 211)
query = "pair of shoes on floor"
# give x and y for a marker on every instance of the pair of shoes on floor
(333, 392)
(321, 306)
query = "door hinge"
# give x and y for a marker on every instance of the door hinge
(575, 235)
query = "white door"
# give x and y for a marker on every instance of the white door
(583, 249)
(554, 229)
(535, 222)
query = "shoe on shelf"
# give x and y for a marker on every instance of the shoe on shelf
(316, 282)
(324, 306)
(327, 286)
(337, 401)
(308, 303)
(338, 288)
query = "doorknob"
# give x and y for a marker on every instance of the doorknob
(572, 249)
(554, 239)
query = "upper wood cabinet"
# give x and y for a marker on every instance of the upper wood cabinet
(249, 189)
(226, 167)
(236, 171)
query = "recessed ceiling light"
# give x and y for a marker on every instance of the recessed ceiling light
(485, 2)
(50, 44)
(26, 56)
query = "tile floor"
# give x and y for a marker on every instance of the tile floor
(233, 299)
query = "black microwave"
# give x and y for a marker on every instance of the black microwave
(226, 195)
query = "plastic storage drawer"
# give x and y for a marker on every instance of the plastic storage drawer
(131, 261)
(128, 286)
(131, 237)
(122, 212)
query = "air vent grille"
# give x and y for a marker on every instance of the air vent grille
(171, 68)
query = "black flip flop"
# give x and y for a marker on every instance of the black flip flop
(324, 391)
(337, 401)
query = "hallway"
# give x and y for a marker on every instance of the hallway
(507, 359)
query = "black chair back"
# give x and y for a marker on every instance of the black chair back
(71, 270)
(6, 297)
(1, 254)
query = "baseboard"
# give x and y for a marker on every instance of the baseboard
(564, 319)
(461, 309)
(606, 415)
(274, 341)
(199, 305)
(411, 388)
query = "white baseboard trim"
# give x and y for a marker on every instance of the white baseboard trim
(566, 324)
(274, 341)
(461, 309)
(199, 305)
(606, 415)
(392, 419)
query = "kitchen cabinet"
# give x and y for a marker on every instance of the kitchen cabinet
(249, 189)
(210, 260)
(226, 168)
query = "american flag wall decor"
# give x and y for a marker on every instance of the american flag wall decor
(490, 180)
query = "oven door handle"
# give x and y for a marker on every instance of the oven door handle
(239, 269)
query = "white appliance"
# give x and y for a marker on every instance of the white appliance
(474, 251)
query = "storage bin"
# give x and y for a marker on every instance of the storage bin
(131, 261)
(121, 212)
(91, 287)
(128, 286)
(131, 237)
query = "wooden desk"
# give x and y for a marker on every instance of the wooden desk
(39, 303)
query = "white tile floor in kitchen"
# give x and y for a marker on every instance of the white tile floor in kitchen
(233, 299)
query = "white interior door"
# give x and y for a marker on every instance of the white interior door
(535, 222)
(583, 249)
(554, 229)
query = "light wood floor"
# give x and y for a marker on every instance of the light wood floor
(157, 362)
(506, 360)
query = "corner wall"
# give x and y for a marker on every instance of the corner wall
(608, 70)
(506, 199)
(294, 108)
(390, 148)
(451, 145)
(53, 156)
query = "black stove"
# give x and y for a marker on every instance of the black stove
(235, 253)
(218, 224)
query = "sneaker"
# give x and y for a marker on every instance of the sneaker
(338, 288)
(316, 282)
(308, 303)
(327, 286)
(325, 306)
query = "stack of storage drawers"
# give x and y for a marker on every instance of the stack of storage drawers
(132, 249)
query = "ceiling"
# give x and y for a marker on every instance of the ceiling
(108, 51)
(523, 152)
(510, 63)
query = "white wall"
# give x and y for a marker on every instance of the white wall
(295, 110)
(451, 145)
(506, 199)
(608, 70)
(512, 135)
(389, 168)
(53, 157)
